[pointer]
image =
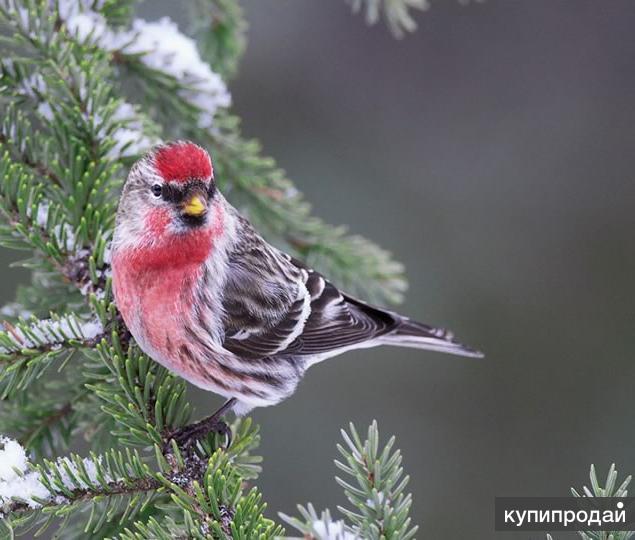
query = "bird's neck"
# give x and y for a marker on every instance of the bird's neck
(190, 249)
(165, 250)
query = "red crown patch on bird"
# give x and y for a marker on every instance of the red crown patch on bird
(182, 161)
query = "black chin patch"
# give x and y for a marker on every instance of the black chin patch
(192, 221)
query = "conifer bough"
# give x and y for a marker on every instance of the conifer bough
(86, 88)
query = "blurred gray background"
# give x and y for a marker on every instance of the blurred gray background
(492, 151)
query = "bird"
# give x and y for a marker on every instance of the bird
(206, 296)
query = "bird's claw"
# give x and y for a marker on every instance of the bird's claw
(187, 436)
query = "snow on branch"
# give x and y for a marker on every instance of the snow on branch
(72, 481)
(160, 46)
(316, 526)
(20, 483)
(49, 334)
(125, 125)
(15, 480)
(28, 348)
(129, 136)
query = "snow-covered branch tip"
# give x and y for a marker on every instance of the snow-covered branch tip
(314, 526)
(32, 337)
(65, 481)
(381, 508)
(159, 46)
(208, 490)
(23, 487)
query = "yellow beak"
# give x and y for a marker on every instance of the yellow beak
(195, 206)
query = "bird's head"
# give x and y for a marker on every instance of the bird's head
(170, 192)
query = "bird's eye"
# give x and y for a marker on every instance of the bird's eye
(157, 190)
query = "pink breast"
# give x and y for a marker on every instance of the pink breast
(155, 287)
(156, 283)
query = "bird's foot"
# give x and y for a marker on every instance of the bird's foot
(187, 436)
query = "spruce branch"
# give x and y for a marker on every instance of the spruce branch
(44, 432)
(48, 291)
(397, 13)
(25, 156)
(381, 506)
(220, 30)
(34, 494)
(314, 526)
(50, 411)
(610, 488)
(208, 490)
(143, 398)
(29, 348)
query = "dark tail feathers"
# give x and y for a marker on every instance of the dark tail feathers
(409, 333)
